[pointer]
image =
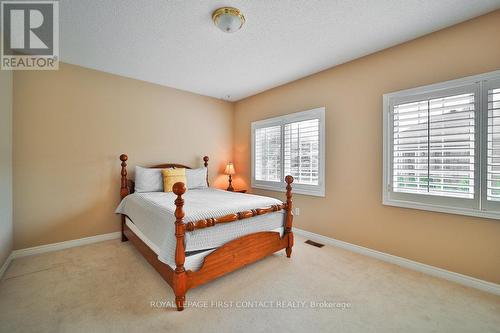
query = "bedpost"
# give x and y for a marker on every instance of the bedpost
(124, 187)
(289, 215)
(205, 160)
(123, 190)
(180, 277)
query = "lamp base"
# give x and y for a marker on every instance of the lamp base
(230, 187)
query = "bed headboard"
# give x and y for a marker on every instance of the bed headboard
(127, 186)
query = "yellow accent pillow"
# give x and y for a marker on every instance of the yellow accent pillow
(172, 176)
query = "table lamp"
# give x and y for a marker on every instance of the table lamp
(229, 171)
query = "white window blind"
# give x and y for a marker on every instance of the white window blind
(433, 149)
(268, 153)
(290, 145)
(410, 157)
(302, 151)
(493, 167)
(442, 147)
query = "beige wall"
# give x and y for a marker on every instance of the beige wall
(71, 125)
(5, 165)
(352, 93)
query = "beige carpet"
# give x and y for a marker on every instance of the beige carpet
(109, 287)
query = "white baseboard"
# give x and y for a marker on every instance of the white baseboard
(407, 263)
(423, 268)
(64, 245)
(5, 265)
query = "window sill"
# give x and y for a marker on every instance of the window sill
(295, 189)
(442, 209)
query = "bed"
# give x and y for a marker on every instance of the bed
(192, 237)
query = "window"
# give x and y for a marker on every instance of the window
(442, 147)
(290, 145)
(268, 153)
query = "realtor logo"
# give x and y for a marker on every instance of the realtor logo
(30, 35)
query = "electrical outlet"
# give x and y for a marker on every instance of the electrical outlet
(297, 211)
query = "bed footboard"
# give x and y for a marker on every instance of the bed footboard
(235, 254)
(289, 215)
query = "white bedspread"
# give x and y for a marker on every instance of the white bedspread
(153, 214)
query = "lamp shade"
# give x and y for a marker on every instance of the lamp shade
(229, 169)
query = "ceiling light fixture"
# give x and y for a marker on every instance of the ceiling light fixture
(228, 19)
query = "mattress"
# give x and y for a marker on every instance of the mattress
(152, 214)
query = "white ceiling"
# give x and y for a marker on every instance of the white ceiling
(174, 43)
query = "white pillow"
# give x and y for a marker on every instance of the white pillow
(148, 180)
(196, 178)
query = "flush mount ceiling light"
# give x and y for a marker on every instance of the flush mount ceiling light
(228, 19)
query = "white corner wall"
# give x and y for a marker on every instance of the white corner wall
(6, 230)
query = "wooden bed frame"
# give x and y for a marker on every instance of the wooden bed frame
(227, 258)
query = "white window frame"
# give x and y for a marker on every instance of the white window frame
(478, 206)
(315, 190)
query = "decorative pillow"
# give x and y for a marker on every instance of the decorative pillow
(196, 178)
(148, 180)
(172, 176)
